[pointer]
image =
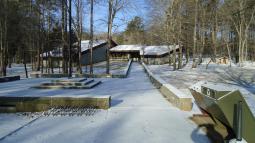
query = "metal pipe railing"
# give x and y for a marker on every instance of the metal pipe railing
(239, 121)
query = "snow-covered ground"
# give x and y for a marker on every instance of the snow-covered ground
(145, 50)
(116, 67)
(235, 77)
(139, 114)
(18, 69)
(16, 123)
(249, 65)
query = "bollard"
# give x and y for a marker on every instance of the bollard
(239, 121)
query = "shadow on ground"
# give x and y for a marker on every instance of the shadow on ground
(241, 79)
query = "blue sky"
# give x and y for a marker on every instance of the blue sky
(137, 8)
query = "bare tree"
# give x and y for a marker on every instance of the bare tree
(64, 34)
(242, 26)
(194, 65)
(114, 6)
(78, 31)
(91, 35)
(80, 17)
(70, 39)
(3, 38)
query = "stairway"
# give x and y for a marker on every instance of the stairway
(69, 84)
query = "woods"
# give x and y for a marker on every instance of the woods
(123, 71)
(209, 28)
(31, 30)
(36, 30)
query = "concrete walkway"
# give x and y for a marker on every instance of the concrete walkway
(139, 114)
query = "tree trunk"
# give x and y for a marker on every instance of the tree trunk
(70, 39)
(229, 53)
(47, 62)
(195, 30)
(180, 47)
(24, 61)
(174, 57)
(79, 21)
(42, 58)
(214, 36)
(38, 58)
(5, 56)
(91, 36)
(180, 57)
(63, 34)
(109, 35)
(1, 49)
(64, 37)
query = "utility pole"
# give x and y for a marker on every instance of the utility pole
(70, 38)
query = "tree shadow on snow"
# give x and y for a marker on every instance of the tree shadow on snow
(115, 102)
(211, 133)
(238, 79)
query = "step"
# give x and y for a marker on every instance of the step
(88, 81)
(85, 85)
(68, 80)
(88, 86)
(68, 83)
(94, 84)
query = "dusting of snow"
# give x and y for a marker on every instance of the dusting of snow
(249, 64)
(158, 50)
(123, 48)
(85, 44)
(145, 50)
(139, 113)
(18, 69)
(222, 77)
(58, 52)
(54, 53)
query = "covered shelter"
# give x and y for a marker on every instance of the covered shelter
(148, 54)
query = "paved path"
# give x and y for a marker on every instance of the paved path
(139, 114)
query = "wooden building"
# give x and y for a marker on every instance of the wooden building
(148, 54)
(222, 60)
(99, 51)
(125, 52)
(55, 56)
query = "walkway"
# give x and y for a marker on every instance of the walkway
(139, 114)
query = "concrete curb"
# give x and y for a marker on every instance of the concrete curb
(38, 104)
(171, 93)
(126, 72)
